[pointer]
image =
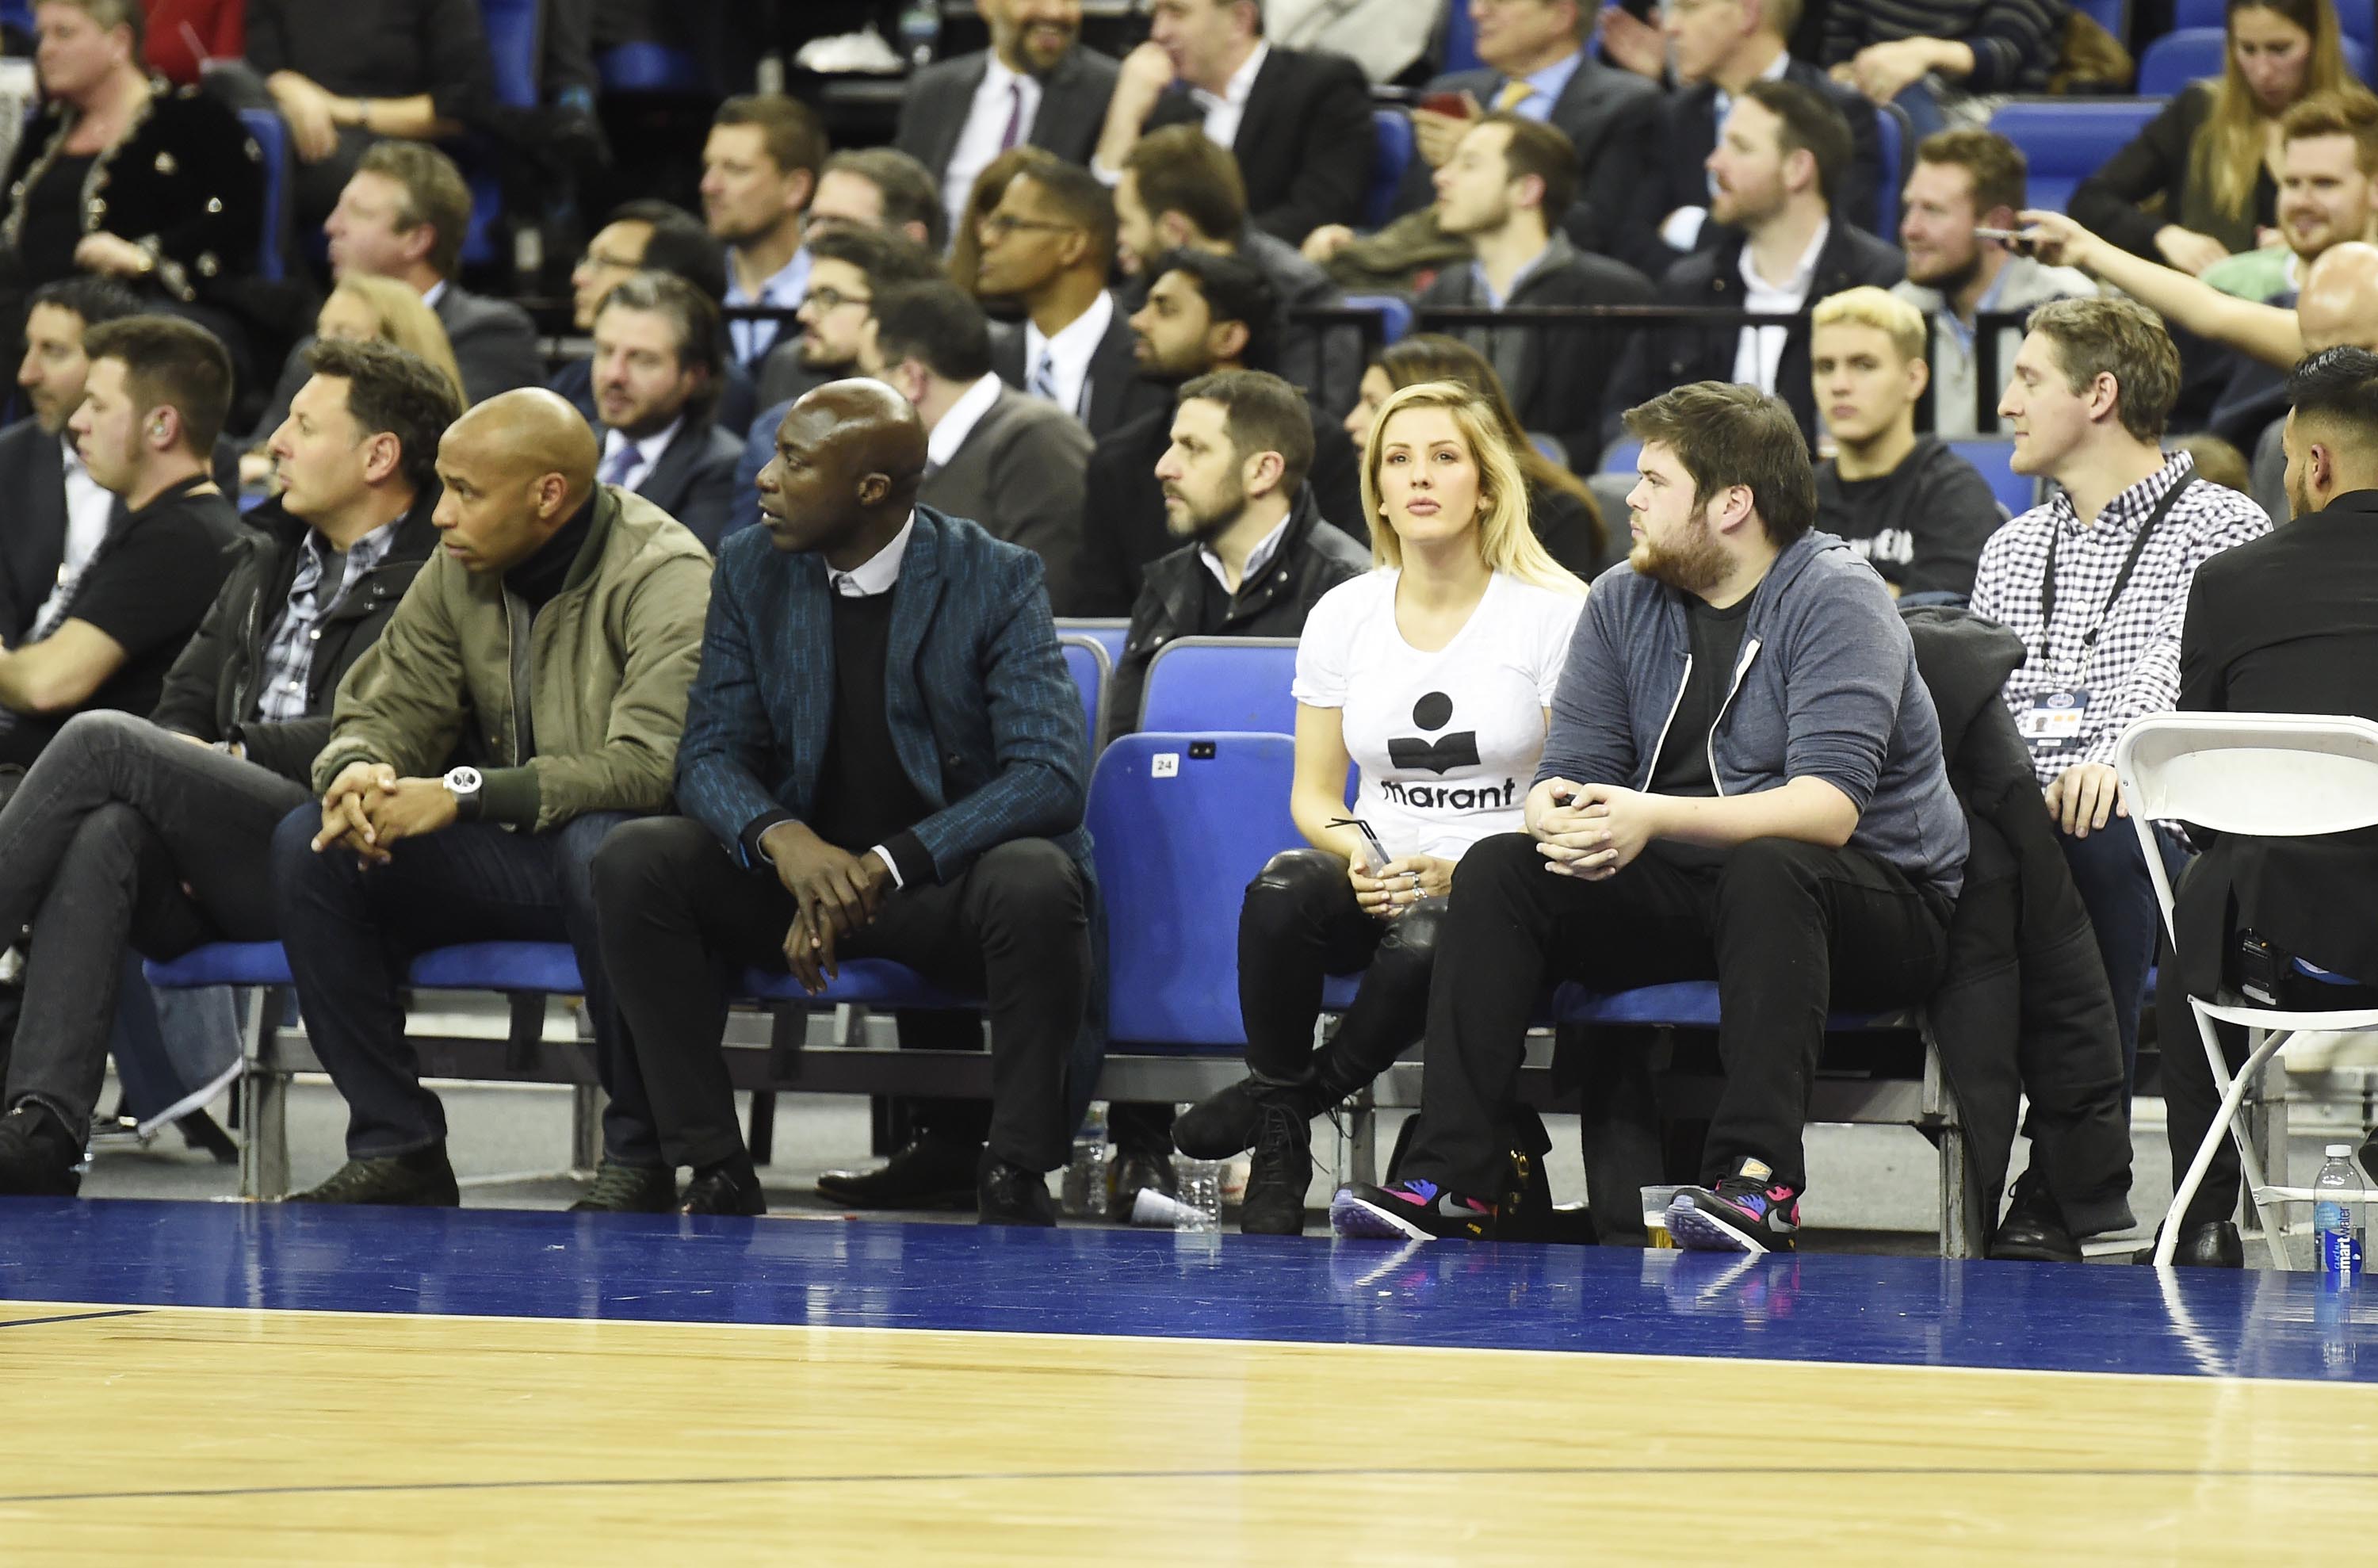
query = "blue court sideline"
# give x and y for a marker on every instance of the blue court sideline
(1899, 1311)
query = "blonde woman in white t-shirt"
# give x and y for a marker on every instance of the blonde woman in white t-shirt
(1432, 674)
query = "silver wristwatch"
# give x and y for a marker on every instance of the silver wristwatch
(463, 784)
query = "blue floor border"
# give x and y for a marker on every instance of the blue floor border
(1834, 1307)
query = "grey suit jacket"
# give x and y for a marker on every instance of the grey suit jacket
(493, 340)
(1073, 107)
(1019, 474)
(694, 481)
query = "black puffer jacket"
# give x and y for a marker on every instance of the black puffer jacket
(211, 692)
(2025, 1008)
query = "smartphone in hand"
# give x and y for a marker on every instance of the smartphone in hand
(1375, 855)
(1454, 105)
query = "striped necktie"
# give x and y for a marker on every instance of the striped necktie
(1044, 378)
(616, 467)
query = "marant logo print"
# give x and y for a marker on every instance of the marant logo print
(1441, 756)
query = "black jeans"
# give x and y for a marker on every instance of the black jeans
(1787, 930)
(349, 934)
(2118, 894)
(1299, 923)
(97, 845)
(677, 910)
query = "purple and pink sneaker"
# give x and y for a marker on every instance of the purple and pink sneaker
(1748, 1212)
(1409, 1211)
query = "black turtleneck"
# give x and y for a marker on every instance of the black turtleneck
(540, 577)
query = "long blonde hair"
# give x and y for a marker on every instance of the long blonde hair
(2230, 149)
(1506, 542)
(405, 321)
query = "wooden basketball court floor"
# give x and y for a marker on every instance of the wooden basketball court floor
(204, 1382)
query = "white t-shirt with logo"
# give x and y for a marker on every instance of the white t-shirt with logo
(1446, 741)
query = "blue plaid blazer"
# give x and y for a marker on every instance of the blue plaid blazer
(984, 715)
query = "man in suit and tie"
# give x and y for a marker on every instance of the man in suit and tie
(1010, 461)
(1049, 246)
(759, 170)
(57, 512)
(1298, 123)
(403, 215)
(645, 235)
(1035, 86)
(658, 354)
(1537, 67)
(885, 743)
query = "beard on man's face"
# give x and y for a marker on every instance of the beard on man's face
(1203, 526)
(1692, 564)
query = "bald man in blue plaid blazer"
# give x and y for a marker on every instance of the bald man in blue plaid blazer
(913, 710)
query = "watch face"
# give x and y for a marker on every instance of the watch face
(463, 781)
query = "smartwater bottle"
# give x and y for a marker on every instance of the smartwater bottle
(2338, 1196)
(1085, 1175)
(920, 31)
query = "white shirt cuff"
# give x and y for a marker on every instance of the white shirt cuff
(881, 853)
(1682, 228)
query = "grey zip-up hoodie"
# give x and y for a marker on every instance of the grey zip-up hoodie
(1826, 688)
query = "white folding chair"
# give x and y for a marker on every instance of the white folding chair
(2263, 776)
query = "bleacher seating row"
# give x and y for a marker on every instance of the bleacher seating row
(1182, 819)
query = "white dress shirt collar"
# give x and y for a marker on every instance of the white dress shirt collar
(1069, 353)
(435, 293)
(941, 446)
(1758, 352)
(1002, 94)
(648, 452)
(1223, 112)
(880, 573)
(1257, 558)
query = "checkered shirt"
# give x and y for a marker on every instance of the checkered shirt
(2134, 669)
(289, 651)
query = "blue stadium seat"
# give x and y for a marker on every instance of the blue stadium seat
(1620, 455)
(513, 48)
(2182, 55)
(18, 14)
(1222, 683)
(1690, 1004)
(1394, 311)
(1388, 165)
(2067, 140)
(221, 963)
(271, 140)
(1460, 37)
(1087, 658)
(650, 67)
(872, 982)
(1107, 633)
(1181, 822)
(1891, 130)
(1994, 456)
(2114, 16)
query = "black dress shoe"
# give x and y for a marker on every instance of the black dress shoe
(2214, 1246)
(1274, 1204)
(723, 1189)
(38, 1154)
(931, 1173)
(199, 1132)
(1138, 1169)
(628, 1189)
(2034, 1230)
(1010, 1195)
(418, 1179)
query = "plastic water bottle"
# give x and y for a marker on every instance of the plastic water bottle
(1200, 1205)
(2339, 1193)
(920, 31)
(1085, 1176)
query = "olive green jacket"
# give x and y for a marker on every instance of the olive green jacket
(602, 672)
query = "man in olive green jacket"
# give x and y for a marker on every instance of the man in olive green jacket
(548, 648)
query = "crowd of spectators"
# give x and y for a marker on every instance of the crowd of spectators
(1075, 343)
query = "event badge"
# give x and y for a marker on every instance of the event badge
(2052, 723)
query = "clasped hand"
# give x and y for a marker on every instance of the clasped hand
(835, 895)
(1591, 831)
(368, 809)
(1400, 885)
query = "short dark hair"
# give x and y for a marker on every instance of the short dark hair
(701, 341)
(794, 134)
(171, 363)
(2099, 336)
(1234, 290)
(886, 258)
(1541, 149)
(395, 391)
(681, 245)
(1261, 412)
(1728, 434)
(95, 299)
(435, 193)
(1996, 166)
(910, 195)
(939, 325)
(1086, 202)
(2340, 385)
(1811, 125)
(1181, 169)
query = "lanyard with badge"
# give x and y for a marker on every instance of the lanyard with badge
(2054, 722)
